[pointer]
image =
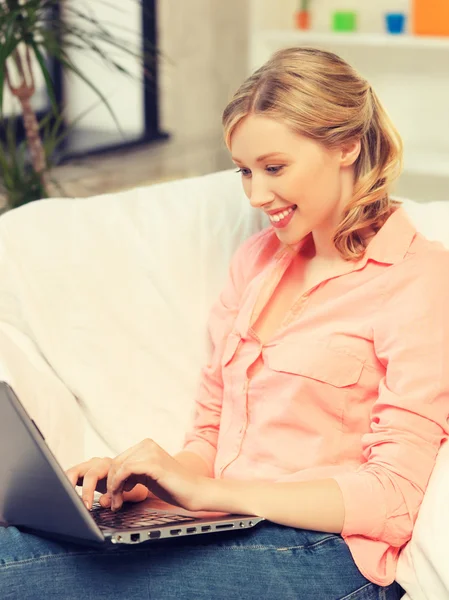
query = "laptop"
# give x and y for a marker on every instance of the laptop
(37, 496)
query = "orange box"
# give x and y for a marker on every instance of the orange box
(430, 17)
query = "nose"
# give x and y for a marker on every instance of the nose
(259, 193)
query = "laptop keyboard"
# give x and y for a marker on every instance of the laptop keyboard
(134, 519)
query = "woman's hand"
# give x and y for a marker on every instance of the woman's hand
(92, 476)
(149, 465)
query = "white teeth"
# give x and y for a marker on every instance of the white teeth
(279, 216)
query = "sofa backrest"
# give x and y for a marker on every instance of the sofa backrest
(115, 291)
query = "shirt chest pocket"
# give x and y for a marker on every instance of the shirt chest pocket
(315, 362)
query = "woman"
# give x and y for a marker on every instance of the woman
(325, 400)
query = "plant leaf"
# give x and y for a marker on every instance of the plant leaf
(46, 74)
(6, 49)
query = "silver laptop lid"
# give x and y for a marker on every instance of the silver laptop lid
(34, 491)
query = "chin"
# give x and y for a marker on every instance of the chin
(291, 237)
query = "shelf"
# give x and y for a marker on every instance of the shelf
(295, 37)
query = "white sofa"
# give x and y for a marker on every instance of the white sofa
(101, 297)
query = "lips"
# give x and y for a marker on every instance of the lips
(280, 210)
(281, 222)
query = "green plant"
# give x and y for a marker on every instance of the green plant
(304, 5)
(43, 29)
(19, 182)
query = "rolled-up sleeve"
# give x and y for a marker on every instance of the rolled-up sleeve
(203, 435)
(409, 419)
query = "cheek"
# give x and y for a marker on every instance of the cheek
(246, 187)
(301, 183)
(316, 182)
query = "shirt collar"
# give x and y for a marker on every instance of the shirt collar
(392, 242)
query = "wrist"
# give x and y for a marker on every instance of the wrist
(193, 462)
(227, 496)
(208, 493)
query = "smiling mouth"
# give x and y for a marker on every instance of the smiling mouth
(280, 216)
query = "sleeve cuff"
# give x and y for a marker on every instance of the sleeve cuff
(203, 450)
(365, 508)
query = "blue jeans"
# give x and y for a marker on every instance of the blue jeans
(269, 561)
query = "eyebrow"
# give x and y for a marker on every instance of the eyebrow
(261, 158)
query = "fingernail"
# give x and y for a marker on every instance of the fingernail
(86, 504)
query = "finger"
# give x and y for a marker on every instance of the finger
(137, 474)
(129, 485)
(143, 448)
(125, 476)
(90, 484)
(76, 473)
(130, 473)
(120, 458)
(137, 494)
(119, 496)
(72, 474)
(105, 500)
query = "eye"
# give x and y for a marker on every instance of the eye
(244, 172)
(274, 169)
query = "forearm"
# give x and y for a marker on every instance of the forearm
(194, 463)
(315, 505)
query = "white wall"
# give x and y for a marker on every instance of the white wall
(122, 18)
(205, 50)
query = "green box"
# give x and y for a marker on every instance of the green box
(344, 21)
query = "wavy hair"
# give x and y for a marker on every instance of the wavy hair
(319, 95)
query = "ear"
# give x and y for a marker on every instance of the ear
(350, 153)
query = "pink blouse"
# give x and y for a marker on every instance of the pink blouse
(353, 386)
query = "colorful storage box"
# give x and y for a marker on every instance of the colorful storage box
(430, 17)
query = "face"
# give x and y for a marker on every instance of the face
(281, 169)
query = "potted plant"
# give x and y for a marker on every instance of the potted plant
(19, 181)
(31, 32)
(302, 15)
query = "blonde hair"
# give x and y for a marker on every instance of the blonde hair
(320, 96)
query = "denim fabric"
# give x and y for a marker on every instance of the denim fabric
(269, 561)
